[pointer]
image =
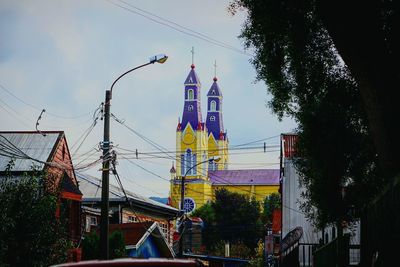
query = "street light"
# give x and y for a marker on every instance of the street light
(183, 200)
(104, 223)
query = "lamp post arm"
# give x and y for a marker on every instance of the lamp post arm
(122, 75)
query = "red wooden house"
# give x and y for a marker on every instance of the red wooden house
(45, 151)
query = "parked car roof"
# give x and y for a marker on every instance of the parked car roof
(134, 262)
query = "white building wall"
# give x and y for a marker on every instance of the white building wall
(291, 213)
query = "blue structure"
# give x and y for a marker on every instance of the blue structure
(144, 240)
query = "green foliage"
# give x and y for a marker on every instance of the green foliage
(271, 202)
(209, 234)
(297, 59)
(91, 246)
(30, 235)
(259, 257)
(231, 217)
(117, 245)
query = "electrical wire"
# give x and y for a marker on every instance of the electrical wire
(37, 108)
(175, 26)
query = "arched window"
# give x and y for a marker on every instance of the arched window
(190, 94)
(190, 107)
(212, 118)
(188, 161)
(212, 166)
(213, 105)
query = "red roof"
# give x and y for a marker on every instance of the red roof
(132, 232)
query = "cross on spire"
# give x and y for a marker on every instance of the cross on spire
(215, 71)
(192, 51)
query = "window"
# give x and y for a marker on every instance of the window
(189, 205)
(213, 105)
(190, 107)
(164, 228)
(212, 166)
(190, 94)
(91, 221)
(187, 162)
(212, 118)
(132, 219)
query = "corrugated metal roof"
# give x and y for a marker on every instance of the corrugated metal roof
(34, 144)
(245, 177)
(91, 188)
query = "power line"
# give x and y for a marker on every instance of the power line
(40, 109)
(177, 27)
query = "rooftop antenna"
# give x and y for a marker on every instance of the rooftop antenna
(37, 122)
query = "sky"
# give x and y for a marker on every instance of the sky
(62, 56)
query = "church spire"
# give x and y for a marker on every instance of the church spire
(214, 122)
(192, 107)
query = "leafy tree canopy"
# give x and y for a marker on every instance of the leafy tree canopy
(91, 249)
(271, 202)
(231, 217)
(298, 59)
(30, 234)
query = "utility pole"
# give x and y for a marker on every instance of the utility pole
(104, 223)
(183, 216)
(105, 183)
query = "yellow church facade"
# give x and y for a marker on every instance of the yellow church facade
(202, 154)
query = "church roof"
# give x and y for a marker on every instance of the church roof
(192, 77)
(245, 177)
(214, 89)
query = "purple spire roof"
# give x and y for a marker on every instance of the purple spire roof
(214, 90)
(214, 121)
(245, 177)
(192, 107)
(192, 77)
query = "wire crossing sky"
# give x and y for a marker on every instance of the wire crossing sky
(61, 56)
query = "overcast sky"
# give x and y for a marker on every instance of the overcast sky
(62, 55)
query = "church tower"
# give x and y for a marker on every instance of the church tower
(217, 138)
(191, 149)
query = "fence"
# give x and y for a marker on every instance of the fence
(380, 228)
(329, 254)
(306, 251)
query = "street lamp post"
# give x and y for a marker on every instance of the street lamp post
(104, 223)
(183, 201)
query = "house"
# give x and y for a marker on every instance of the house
(144, 240)
(45, 151)
(293, 217)
(140, 209)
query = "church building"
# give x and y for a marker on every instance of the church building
(202, 153)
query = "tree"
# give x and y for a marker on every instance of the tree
(365, 34)
(271, 202)
(91, 249)
(232, 218)
(30, 234)
(297, 58)
(209, 234)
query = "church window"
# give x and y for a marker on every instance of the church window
(213, 105)
(190, 94)
(190, 107)
(212, 166)
(188, 161)
(212, 118)
(189, 205)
